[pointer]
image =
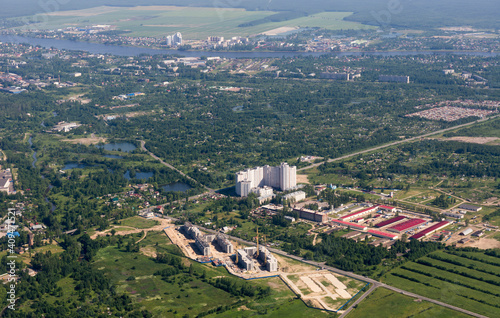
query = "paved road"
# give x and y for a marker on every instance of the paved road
(143, 147)
(397, 142)
(368, 292)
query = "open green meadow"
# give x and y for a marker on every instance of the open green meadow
(195, 23)
(400, 307)
(138, 222)
(469, 280)
(188, 292)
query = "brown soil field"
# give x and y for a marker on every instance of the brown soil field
(86, 141)
(302, 178)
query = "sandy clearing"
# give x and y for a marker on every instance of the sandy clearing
(311, 284)
(148, 251)
(302, 178)
(474, 140)
(281, 30)
(287, 266)
(334, 280)
(86, 141)
(484, 244)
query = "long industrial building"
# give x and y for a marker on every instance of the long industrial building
(406, 225)
(428, 231)
(390, 221)
(351, 225)
(311, 215)
(282, 177)
(394, 78)
(383, 234)
(359, 214)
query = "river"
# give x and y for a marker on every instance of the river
(97, 48)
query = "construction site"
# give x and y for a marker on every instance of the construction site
(243, 261)
(320, 289)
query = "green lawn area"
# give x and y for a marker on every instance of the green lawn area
(292, 308)
(138, 222)
(195, 23)
(163, 299)
(384, 303)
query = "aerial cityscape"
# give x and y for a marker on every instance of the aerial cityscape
(250, 158)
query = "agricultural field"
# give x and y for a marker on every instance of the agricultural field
(469, 280)
(195, 23)
(400, 307)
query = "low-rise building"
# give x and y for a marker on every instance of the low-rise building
(454, 215)
(295, 196)
(470, 207)
(394, 78)
(311, 215)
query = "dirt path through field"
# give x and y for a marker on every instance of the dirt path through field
(157, 228)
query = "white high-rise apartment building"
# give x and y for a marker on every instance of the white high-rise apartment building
(282, 177)
(175, 39)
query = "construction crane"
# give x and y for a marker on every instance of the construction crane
(257, 242)
(264, 238)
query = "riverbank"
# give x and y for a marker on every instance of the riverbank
(98, 48)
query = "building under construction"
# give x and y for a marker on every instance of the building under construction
(201, 240)
(224, 243)
(269, 260)
(245, 257)
(191, 230)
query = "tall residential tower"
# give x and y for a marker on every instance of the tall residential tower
(282, 177)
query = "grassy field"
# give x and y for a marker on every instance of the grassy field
(138, 222)
(465, 279)
(195, 23)
(400, 307)
(163, 299)
(186, 294)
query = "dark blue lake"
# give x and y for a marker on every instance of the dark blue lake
(121, 146)
(176, 187)
(73, 165)
(113, 156)
(139, 175)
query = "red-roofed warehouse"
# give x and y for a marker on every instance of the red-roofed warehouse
(430, 230)
(406, 226)
(390, 221)
(352, 225)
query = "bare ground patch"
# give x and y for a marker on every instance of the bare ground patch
(484, 244)
(474, 140)
(302, 178)
(86, 141)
